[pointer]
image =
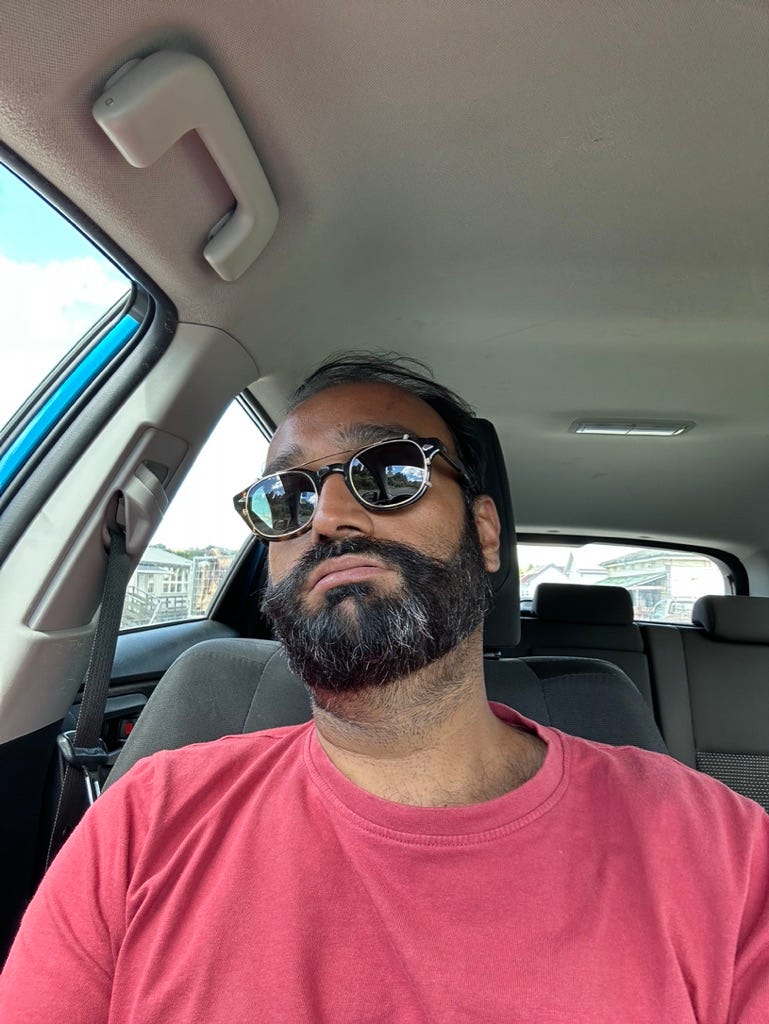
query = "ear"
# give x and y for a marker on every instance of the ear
(487, 524)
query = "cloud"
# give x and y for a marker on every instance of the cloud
(45, 308)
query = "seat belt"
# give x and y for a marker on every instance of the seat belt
(82, 749)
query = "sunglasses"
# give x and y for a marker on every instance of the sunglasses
(383, 477)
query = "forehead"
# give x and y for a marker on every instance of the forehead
(343, 416)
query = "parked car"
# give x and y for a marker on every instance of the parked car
(673, 610)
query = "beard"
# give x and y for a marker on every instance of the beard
(360, 638)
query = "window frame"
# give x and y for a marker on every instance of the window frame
(14, 433)
(71, 434)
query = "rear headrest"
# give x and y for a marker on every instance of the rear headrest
(741, 620)
(502, 629)
(573, 602)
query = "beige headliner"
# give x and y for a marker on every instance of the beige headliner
(562, 206)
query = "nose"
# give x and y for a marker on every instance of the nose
(337, 513)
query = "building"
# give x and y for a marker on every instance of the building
(208, 570)
(655, 577)
(159, 590)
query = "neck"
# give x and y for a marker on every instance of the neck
(429, 739)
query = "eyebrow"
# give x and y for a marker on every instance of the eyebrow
(351, 436)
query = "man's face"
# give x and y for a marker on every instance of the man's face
(367, 597)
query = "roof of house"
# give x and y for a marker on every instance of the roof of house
(159, 556)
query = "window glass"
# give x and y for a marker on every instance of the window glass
(201, 533)
(663, 584)
(54, 287)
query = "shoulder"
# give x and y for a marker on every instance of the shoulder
(659, 787)
(650, 782)
(206, 768)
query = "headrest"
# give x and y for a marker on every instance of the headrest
(573, 602)
(502, 629)
(742, 620)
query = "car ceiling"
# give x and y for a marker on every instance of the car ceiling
(562, 207)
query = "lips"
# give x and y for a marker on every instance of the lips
(334, 572)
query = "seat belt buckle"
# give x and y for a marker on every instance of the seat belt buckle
(88, 759)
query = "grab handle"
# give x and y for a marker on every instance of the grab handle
(150, 103)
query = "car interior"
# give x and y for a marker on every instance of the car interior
(560, 209)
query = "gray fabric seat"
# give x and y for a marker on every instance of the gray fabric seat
(587, 622)
(727, 667)
(670, 689)
(221, 687)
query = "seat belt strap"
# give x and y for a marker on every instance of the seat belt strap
(83, 750)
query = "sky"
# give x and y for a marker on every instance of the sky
(588, 556)
(202, 512)
(54, 285)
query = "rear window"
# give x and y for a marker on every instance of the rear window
(663, 583)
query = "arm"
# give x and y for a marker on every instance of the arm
(63, 958)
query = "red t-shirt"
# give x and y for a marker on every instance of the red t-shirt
(249, 880)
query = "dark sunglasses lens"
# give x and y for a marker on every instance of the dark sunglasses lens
(282, 503)
(389, 474)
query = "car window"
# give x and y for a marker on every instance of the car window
(54, 286)
(63, 319)
(663, 583)
(195, 545)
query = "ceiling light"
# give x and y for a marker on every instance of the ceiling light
(631, 428)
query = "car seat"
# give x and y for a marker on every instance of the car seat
(225, 686)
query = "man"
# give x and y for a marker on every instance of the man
(414, 854)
